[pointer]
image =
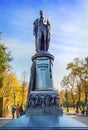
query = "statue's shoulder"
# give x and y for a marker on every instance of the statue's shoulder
(48, 22)
(36, 21)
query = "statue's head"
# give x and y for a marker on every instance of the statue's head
(41, 13)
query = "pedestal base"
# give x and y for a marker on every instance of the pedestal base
(43, 102)
(46, 110)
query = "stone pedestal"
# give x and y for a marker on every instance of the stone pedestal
(43, 67)
(42, 98)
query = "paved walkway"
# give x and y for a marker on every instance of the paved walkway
(45, 120)
(79, 118)
(5, 120)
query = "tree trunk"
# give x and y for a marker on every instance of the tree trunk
(1, 106)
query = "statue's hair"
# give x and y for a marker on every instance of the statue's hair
(41, 11)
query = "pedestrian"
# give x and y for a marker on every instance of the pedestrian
(21, 110)
(85, 109)
(77, 110)
(17, 110)
(13, 111)
(82, 110)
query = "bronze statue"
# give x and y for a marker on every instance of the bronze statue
(41, 31)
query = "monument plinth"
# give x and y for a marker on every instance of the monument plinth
(43, 67)
(42, 98)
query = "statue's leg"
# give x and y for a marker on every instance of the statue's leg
(39, 40)
(38, 48)
(36, 43)
(45, 44)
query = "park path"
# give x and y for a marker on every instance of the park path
(5, 120)
(80, 118)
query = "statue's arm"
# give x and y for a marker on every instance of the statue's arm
(35, 27)
(49, 26)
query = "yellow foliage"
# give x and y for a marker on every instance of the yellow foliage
(13, 92)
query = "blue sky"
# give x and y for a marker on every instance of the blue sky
(69, 30)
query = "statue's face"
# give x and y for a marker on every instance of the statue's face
(41, 13)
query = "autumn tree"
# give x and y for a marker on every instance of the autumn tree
(77, 80)
(84, 78)
(12, 91)
(76, 71)
(62, 97)
(65, 85)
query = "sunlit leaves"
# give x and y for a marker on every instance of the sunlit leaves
(76, 83)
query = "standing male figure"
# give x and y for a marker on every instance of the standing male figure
(17, 110)
(41, 31)
(13, 111)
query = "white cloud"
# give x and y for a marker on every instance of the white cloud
(63, 47)
(19, 48)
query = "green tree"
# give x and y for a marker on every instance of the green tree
(5, 59)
